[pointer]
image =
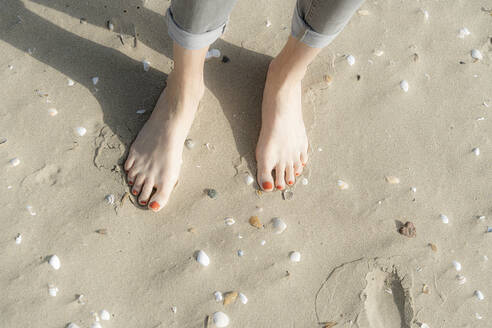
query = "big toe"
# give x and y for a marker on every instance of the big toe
(161, 196)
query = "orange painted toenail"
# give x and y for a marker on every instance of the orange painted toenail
(297, 174)
(130, 183)
(290, 182)
(267, 185)
(143, 202)
(279, 187)
(303, 164)
(134, 192)
(154, 205)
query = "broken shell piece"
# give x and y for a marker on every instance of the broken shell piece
(342, 185)
(52, 111)
(95, 79)
(476, 54)
(3, 140)
(424, 325)
(263, 242)
(392, 180)
(240, 253)
(476, 151)
(212, 193)
(255, 222)
(463, 32)
(213, 53)
(479, 295)
(189, 143)
(328, 79)
(14, 161)
(174, 309)
(52, 290)
(350, 60)
(110, 25)
(425, 12)
(287, 194)
(230, 298)
(457, 265)
(489, 229)
(80, 299)
(363, 12)
(404, 85)
(444, 218)
(55, 262)
(80, 131)
(425, 289)
(248, 179)
(229, 221)
(408, 230)
(146, 65)
(104, 314)
(243, 298)
(110, 199)
(295, 256)
(30, 209)
(433, 247)
(102, 231)
(413, 189)
(378, 52)
(141, 111)
(461, 279)
(478, 316)
(218, 296)
(278, 225)
(304, 181)
(268, 23)
(202, 258)
(220, 319)
(70, 82)
(18, 239)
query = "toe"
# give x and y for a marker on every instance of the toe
(304, 158)
(265, 176)
(280, 176)
(146, 192)
(138, 184)
(298, 168)
(132, 174)
(289, 175)
(161, 196)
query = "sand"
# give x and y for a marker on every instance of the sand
(355, 269)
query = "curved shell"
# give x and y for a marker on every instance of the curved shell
(220, 319)
(295, 256)
(202, 258)
(55, 262)
(278, 225)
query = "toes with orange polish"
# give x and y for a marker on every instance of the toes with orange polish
(143, 202)
(291, 183)
(267, 185)
(297, 174)
(130, 183)
(279, 187)
(134, 192)
(154, 205)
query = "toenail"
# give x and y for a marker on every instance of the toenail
(279, 187)
(267, 185)
(143, 202)
(154, 205)
(303, 164)
(134, 192)
(290, 182)
(297, 174)
(130, 183)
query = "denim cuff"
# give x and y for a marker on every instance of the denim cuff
(188, 40)
(304, 33)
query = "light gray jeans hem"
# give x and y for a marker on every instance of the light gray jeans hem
(188, 40)
(304, 33)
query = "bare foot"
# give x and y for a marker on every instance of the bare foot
(155, 157)
(283, 143)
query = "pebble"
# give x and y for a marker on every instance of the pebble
(110, 199)
(404, 85)
(189, 143)
(463, 32)
(229, 221)
(52, 290)
(95, 79)
(70, 82)
(304, 181)
(240, 253)
(408, 230)
(350, 60)
(202, 258)
(212, 193)
(146, 65)
(220, 319)
(476, 151)
(110, 25)
(479, 295)
(104, 314)
(72, 325)
(461, 279)
(225, 59)
(249, 179)
(141, 111)
(457, 265)
(14, 161)
(363, 12)
(243, 298)
(278, 225)
(83, 21)
(174, 309)
(342, 185)
(295, 256)
(218, 296)
(213, 53)
(52, 112)
(18, 239)
(80, 131)
(392, 180)
(55, 262)
(476, 54)
(444, 218)
(30, 209)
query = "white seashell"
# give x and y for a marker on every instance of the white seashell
(424, 325)
(392, 180)
(263, 242)
(80, 131)
(444, 218)
(388, 290)
(295, 256)
(96, 325)
(14, 161)
(52, 290)
(481, 217)
(240, 252)
(202, 258)
(220, 319)
(457, 265)
(461, 279)
(52, 111)
(110, 199)
(243, 298)
(413, 189)
(268, 23)
(18, 239)
(378, 52)
(304, 181)
(476, 54)
(190, 144)
(478, 316)
(30, 210)
(72, 325)
(110, 26)
(174, 309)
(213, 53)
(350, 60)
(485, 104)
(463, 32)
(479, 295)
(278, 225)
(80, 299)
(425, 12)
(10, 67)
(95, 79)
(480, 118)
(363, 12)
(476, 151)
(141, 111)
(104, 314)
(70, 82)
(146, 65)
(229, 221)
(218, 296)
(342, 185)
(404, 85)
(55, 262)
(249, 179)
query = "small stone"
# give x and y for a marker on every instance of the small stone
(83, 21)
(80, 298)
(174, 309)
(425, 289)
(96, 325)
(295, 256)
(18, 239)
(110, 199)
(268, 23)
(80, 131)
(476, 151)
(3, 140)
(146, 65)
(248, 179)
(304, 181)
(329, 324)
(52, 112)
(408, 230)
(202, 258)
(72, 325)
(212, 193)
(110, 25)
(433, 247)
(14, 161)
(141, 111)
(243, 298)
(52, 290)
(463, 32)
(328, 79)
(102, 231)
(263, 242)
(350, 60)
(30, 209)
(225, 59)
(240, 253)
(278, 225)
(70, 82)
(287, 194)
(230, 298)
(404, 85)
(413, 189)
(444, 218)
(479, 295)
(363, 12)
(255, 222)
(95, 79)
(457, 265)
(189, 143)
(378, 52)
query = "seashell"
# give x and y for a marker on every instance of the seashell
(328, 79)
(476, 151)
(481, 217)
(268, 23)
(212, 193)
(52, 290)
(3, 140)
(213, 53)
(102, 231)
(80, 299)
(433, 247)
(255, 222)
(478, 316)
(18, 239)
(202, 258)
(14, 161)
(240, 253)
(457, 265)
(350, 60)
(141, 111)
(10, 67)
(190, 144)
(220, 319)
(479, 295)
(248, 179)
(463, 32)
(52, 111)
(489, 229)
(461, 279)
(229, 221)
(392, 179)
(342, 185)
(413, 189)
(287, 194)
(408, 230)
(110, 199)
(378, 52)
(476, 54)
(330, 324)
(425, 12)
(263, 242)
(30, 210)
(404, 85)
(295, 256)
(72, 325)
(110, 25)
(278, 225)
(444, 218)
(70, 83)
(80, 131)
(304, 181)
(230, 298)
(174, 309)
(424, 325)
(146, 65)
(218, 296)
(96, 325)
(54, 261)
(104, 314)
(388, 290)
(425, 289)
(95, 79)
(363, 12)
(243, 298)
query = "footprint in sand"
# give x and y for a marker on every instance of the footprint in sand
(372, 293)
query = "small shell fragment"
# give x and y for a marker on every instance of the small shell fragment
(263, 242)
(425, 289)
(202, 258)
(95, 79)
(330, 324)
(461, 279)
(457, 265)
(433, 247)
(424, 325)
(444, 218)
(328, 79)
(52, 290)
(342, 185)
(18, 239)
(174, 309)
(478, 316)
(476, 151)
(110, 25)
(240, 253)
(80, 131)
(489, 229)
(243, 298)
(96, 325)
(14, 161)
(278, 225)
(287, 194)
(141, 111)
(102, 231)
(54, 261)
(229, 221)
(70, 83)
(268, 23)
(378, 52)
(350, 60)
(52, 112)
(189, 143)
(304, 181)
(220, 319)
(3, 140)
(255, 222)
(408, 230)
(463, 32)
(218, 296)
(72, 325)
(392, 180)
(104, 314)
(248, 179)
(110, 199)
(363, 12)
(230, 297)
(479, 295)
(146, 65)
(404, 85)
(30, 209)
(476, 54)
(295, 256)
(425, 13)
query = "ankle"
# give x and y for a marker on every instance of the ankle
(285, 72)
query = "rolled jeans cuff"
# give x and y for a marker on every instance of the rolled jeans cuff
(188, 40)
(304, 33)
